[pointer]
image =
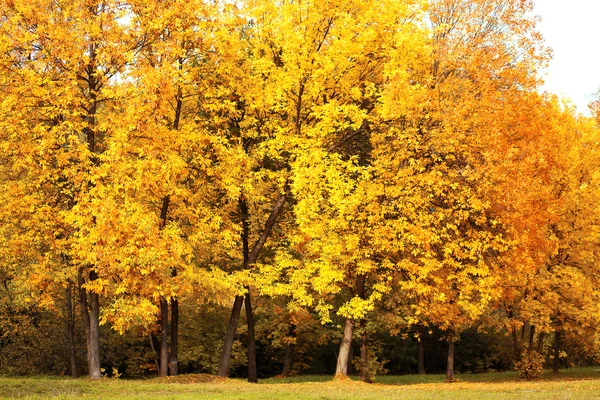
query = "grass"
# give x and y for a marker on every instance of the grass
(579, 383)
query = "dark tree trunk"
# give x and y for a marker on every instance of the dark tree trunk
(531, 337)
(164, 335)
(421, 356)
(156, 355)
(341, 369)
(174, 363)
(71, 332)
(540, 343)
(230, 336)
(556, 360)
(287, 360)
(450, 362)
(250, 258)
(83, 304)
(516, 347)
(252, 373)
(365, 375)
(289, 353)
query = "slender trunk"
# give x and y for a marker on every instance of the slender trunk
(174, 363)
(164, 335)
(252, 373)
(250, 258)
(289, 352)
(83, 304)
(156, 355)
(94, 342)
(365, 374)
(341, 369)
(450, 362)
(71, 331)
(555, 361)
(540, 343)
(421, 356)
(230, 336)
(516, 347)
(531, 337)
(364, 356)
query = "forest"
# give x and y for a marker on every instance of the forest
(276, 187)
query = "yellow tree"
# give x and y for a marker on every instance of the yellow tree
(63, 66)
(440, 228)
(323, 67)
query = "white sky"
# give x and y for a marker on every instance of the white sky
(572, 29)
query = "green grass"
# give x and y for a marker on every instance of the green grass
(580, 383)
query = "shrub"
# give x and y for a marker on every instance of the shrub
(530, 365)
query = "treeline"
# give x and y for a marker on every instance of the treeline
(383, 173)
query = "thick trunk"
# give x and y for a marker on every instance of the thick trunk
(252, 373)
(341, 369)
(230, 336)
(164, 335)
(174, 363)
(421, 356)
(350, 367)
(555, 361)
(365, 374)
(71, 332)
(450, 362)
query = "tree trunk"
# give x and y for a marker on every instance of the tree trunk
(174, 363)
(531, 337)
(71, 332)
(365, 374)
(364, 356)
(450, 362)
(83, 304)
(252, 373)
(421, 356)
(540, 343)
(350, 367)
(289, 353)
(250, 258)
(94, 342)
(287, 360)
(516, 347)
(556, 360)
(164, 334)
(341, 369)
(156, 355)
(230, 336)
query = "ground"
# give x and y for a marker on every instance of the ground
(579, 383)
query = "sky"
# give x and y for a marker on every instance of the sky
(572, 29)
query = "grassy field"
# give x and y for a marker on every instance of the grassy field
(580, 383)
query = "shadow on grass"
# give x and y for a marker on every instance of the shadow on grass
(491, 377)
